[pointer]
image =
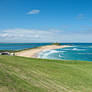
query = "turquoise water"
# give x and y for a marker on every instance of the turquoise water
(20, 46)
(78, 51)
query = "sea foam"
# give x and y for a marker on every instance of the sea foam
(46, 53)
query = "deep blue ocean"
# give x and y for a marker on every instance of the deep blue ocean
(20, 46)
(78, 51)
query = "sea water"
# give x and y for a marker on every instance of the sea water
(78, 51)
(20, 46)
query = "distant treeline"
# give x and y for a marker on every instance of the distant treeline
(56, 44)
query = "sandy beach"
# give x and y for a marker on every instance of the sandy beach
(32, 53)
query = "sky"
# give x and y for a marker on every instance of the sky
(45, 20)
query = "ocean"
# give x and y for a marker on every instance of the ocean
(78, 51)
(20, 46)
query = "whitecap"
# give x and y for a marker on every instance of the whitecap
(78, 49)
(52, 51)
(46, 53)
(74, 49)
(60, 55)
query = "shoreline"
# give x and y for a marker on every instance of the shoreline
(33, 53)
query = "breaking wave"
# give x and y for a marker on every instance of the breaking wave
(46, 53)
(81, 52)
(78, 49)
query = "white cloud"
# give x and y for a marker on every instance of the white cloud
(51, 35)
(33, 12)
(31, 35)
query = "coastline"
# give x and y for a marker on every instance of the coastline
(32, 53)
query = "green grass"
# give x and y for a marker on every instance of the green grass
(19, 74)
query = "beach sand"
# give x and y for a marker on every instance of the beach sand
(32, 53)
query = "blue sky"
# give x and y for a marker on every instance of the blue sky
(45, 20)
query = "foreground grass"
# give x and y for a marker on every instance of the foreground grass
(19, 74)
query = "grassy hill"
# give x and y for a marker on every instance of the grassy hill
(19, 74)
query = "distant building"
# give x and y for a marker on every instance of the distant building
(4, 53)
(7, 53)
(12, 54)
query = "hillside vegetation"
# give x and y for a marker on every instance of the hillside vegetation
(19, 74)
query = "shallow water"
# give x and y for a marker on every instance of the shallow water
(81, 52)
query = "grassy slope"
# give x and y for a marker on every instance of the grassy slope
(18, 74)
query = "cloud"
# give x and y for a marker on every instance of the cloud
(51, 35)
(33, 12)
(30, 35)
